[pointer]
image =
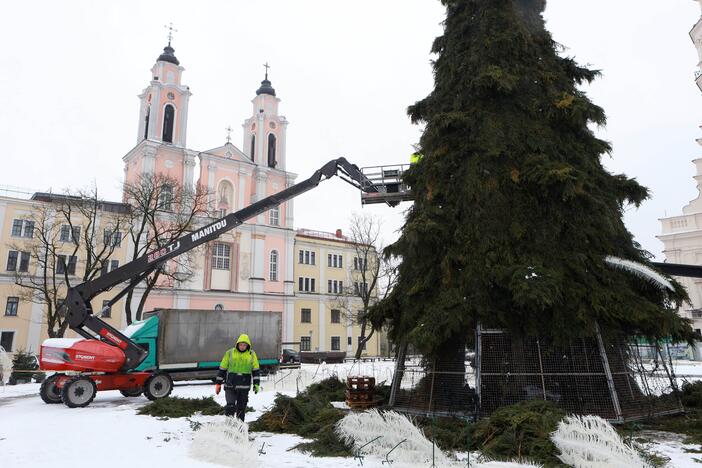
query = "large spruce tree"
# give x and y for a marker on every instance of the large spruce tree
(513, 212)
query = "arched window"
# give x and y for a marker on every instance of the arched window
(168, 120)
(271, 150)
(273, 271)
(146, 123)
(253, 147)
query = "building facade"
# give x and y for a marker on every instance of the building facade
(327, 281)
(682, 235)
(249, 268)
(253, 267)
(31, 226)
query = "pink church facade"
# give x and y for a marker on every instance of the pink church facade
(251, 267)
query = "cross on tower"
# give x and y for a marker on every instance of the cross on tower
(229, 133)
(171, 30)
(267, 67)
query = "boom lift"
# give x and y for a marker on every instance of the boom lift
(105, 358)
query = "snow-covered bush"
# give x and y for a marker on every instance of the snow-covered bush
(225, 442)
(591, 442)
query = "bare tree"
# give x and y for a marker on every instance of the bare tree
(371, 276)
(65, 244)
(162, 210)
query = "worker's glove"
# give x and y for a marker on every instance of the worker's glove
(257, 388)
(218, 388)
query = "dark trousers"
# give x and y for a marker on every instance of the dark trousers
(236, 402)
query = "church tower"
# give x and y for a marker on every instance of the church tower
(163, 115)
(162, 125)
(264, 132)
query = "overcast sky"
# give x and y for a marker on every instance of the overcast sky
(70, 72)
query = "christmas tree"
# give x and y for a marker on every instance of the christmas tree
(514, 213)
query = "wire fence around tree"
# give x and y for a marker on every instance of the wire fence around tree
(618, 379)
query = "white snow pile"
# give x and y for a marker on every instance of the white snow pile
(591, 442)
(225, 442)
(392, 428)
(5, 365)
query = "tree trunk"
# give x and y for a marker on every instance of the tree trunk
(363, 339)
(449, 390)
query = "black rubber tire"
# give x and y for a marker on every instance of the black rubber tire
(78, 392)
(48, 391)
(131, 392)
(158, 385)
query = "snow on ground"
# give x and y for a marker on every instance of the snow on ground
(671, 446)
(109, 433)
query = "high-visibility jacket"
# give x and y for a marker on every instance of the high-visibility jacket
(238, 368)
(414, 159)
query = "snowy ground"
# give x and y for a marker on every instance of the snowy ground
(109, 433)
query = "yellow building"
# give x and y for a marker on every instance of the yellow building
(23, 222)
(325, 305)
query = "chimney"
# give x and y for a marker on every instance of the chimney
(338, 233)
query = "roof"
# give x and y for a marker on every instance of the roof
(168, 55)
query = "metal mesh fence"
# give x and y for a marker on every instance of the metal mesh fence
(616, 379)
(420, 388)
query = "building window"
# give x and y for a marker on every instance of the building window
(305, 343)
(110, 265)
(17, 227)
(305, 315)
(12, 260)
(273, 271)
(62, 267)
(273, 215)
(222, 212)
(106, 310)
(335, 261)
(69, 233)
(253, 147)
(112, 238)
(13, 256)
(221, 256)
(335, 316)
(165, 197)
(219, 307)
(335, 343)
(11, 306)
(306, 257)
(6, 339)
(168, 122)
(360, 289)
(146, 123)
(24, 261)
(349, 341)
(271, 151)
(334, 286)
(306, 284)
(360, 263)
(22, 228)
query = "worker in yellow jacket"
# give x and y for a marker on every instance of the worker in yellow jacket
(239, 367)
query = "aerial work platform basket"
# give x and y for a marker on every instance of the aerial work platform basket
(388, 180)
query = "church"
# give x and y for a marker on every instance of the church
(263, 265)
(250, 268)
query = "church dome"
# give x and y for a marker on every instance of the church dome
(167, 55)
(265, 88)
